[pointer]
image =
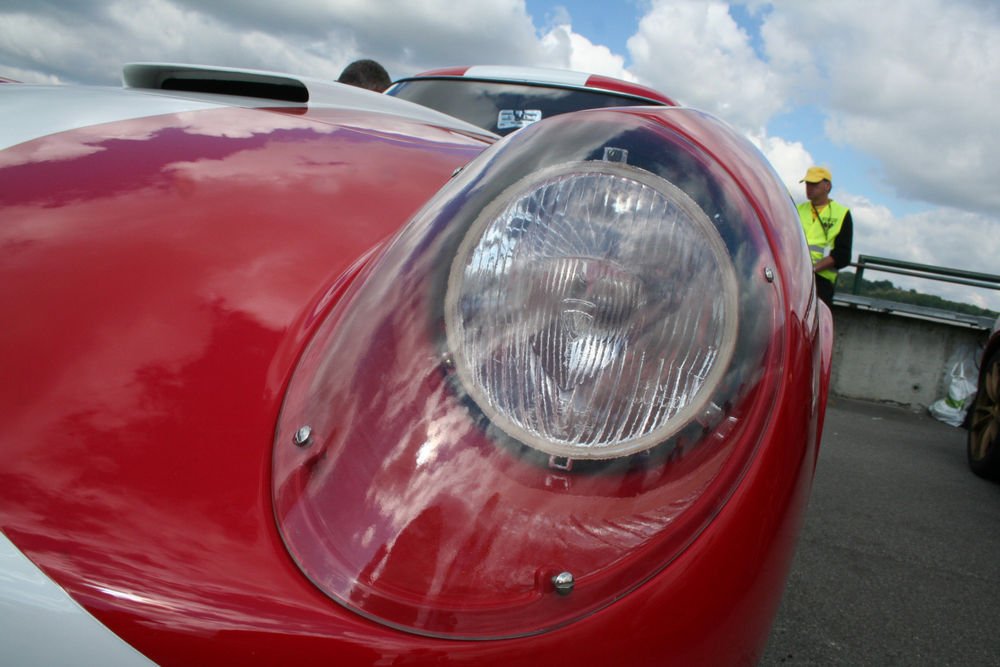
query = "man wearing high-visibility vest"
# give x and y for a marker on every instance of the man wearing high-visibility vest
(829, 231)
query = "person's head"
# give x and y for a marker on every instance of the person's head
(366, 74)
(818, 182)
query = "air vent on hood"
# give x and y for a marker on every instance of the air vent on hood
(216, 80)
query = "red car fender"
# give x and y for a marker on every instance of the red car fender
(161, 284)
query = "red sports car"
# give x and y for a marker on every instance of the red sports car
(505, 99)
(296, 373)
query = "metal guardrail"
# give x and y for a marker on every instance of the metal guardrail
(939, 273)
(925, 271)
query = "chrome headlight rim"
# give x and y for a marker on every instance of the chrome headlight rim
(505, 427)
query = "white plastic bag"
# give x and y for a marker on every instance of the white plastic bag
(961, 389)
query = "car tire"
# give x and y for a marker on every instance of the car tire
(983, 445)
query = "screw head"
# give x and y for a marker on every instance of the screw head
(563, 583)
(303, 437)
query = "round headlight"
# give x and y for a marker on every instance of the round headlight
(591, 309)
(549, 304)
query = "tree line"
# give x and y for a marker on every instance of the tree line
(884, 289)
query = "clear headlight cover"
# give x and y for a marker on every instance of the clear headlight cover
(545, 387)
(591, 309)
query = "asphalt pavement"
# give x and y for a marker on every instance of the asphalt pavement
(899, 559)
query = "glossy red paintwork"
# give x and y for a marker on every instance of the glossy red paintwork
(160, 285)
(446, 71)
(628, 88)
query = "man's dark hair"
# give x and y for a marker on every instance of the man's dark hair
(366, 74)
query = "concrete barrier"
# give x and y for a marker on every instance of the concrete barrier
(894, 353)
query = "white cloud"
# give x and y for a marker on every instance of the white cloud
(61, 46)
(789, 158)
(695, 52)
(31, 76)
(569, 50)
(916, 88)
(308, 37)
(37, 49)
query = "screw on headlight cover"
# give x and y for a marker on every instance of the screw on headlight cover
(564, 583)
(303, 436)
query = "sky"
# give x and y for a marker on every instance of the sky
(899, 98)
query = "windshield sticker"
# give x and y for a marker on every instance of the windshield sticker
(514, 118)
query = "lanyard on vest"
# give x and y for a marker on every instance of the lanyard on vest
(829, 220)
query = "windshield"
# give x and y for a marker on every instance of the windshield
(502, 107)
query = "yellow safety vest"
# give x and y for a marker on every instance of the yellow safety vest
(821, 231)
